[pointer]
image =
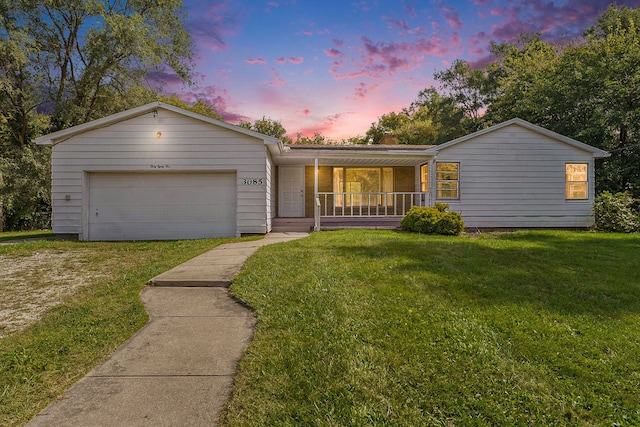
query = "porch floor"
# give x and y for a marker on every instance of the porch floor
(336, 223)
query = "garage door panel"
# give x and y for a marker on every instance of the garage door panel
(129, 206)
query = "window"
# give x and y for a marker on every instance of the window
(362, 181)
(424, 178)
(447, 180)
(576, 181)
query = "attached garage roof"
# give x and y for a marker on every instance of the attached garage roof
(61, 136)
(597, 153)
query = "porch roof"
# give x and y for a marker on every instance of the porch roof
(344, 155)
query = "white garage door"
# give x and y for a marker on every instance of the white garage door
(159, 206)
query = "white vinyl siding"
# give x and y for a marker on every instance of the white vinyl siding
(514, 177)
(186, 145)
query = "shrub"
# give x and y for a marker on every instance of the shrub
(435, 220)
(614, 212)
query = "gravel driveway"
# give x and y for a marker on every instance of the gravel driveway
(31, 283)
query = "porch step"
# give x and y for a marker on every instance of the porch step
(336, 223)
(370, 223)
(292, 224)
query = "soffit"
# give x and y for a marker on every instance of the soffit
(348, 156)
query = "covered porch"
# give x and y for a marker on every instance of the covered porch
(332, 187)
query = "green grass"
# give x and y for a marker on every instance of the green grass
(13, 235)
(388, 328)
(38, 364)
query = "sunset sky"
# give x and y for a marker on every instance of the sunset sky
(335, 66)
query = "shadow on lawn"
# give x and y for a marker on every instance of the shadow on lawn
(572, 273)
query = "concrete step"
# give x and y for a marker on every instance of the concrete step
(303, 225)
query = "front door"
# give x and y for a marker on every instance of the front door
(291, 194)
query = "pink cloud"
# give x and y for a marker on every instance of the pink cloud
(304, 112)
(298, 60)
(216, 98)
(281, 61)
(393, 23)
(326, 127)
(549, 18)
(255, 61)
(276, 81)
(452, 18)
(403, 26)
(210, 25)
(160, 79)
(477, 44)
(307, 33)
(378, 59)
(338, 42)
(362, 5)
(333, 53)
(410, 10)
(362, 89)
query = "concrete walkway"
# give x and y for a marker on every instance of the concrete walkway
(178, 370)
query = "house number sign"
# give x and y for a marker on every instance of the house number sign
(252, 181)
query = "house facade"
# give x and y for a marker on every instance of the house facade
(161, 172)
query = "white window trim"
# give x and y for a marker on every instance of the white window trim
(571, 199)
(440, 180)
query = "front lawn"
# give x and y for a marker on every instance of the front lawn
(390, 328)
(92, 291)
(13, 235)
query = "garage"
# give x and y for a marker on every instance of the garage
(161, 205)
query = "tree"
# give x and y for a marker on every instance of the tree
(78, 60)
(467, 86)
(608, 73)
(446, 116)
(200, 107)
(317, 139)
(588, 90)
(431, 119)
(268, 127)
(391, 122)
(74, 61)
(524, 83)
(25, 181)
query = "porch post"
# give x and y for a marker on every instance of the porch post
(316, 199)
(432, 181)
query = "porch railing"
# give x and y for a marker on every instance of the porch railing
(344, 204)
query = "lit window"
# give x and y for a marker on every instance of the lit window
(447, 180)
(576, 180)
(424, 178)
(363, 186)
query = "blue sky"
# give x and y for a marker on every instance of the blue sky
(334, 67)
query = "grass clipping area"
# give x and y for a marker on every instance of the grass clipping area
(66, 306)
(390, 328)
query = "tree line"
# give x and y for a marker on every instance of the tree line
(64, 63)
(587, 88)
